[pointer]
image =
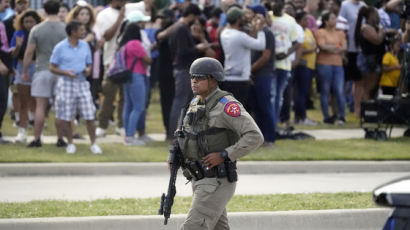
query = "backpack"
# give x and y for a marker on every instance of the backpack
(117, 71)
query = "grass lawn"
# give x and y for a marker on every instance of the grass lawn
(154, 122)
(354, 149)
(107, 207)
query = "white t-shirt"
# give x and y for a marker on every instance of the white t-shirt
(285, 30)
(105, 19)
(130, 7)
(237, 47)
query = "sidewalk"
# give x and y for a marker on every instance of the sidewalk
(319, 134)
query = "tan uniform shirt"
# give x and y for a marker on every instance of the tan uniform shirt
(232, 115)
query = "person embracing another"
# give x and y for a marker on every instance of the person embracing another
(217, 131)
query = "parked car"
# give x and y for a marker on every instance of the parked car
(395, 194)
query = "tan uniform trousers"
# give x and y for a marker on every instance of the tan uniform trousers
(109, 91)
(208, 208)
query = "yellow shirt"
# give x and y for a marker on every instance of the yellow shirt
(391, 78)
(309, 43)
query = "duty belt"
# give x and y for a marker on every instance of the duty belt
(198, 170)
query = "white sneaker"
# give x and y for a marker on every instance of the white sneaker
(131, 141)
(71, 149)
(309, 122)
(120, 131)
(99, 132)
(145, 138)
(95, 149)
(21, 136)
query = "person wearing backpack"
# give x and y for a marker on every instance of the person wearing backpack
(135, 90)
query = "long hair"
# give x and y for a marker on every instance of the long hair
(364, 13)
(18, 22)
(325, 17)
(76, 11)
(131, 32)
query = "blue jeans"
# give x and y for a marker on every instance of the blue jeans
(135, 94)
(279, 85)
(183, 95)
(349, 95)
(302, 80)
(331, 78)
(264, 110)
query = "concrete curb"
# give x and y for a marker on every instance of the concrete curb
(244, 167)
(358, 219)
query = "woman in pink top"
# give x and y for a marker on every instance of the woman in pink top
(135, 91)
(332, 44)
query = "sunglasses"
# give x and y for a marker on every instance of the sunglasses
(199, 77)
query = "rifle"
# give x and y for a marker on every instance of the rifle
(176, 160)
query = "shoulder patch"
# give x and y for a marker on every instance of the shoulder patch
(232, 109)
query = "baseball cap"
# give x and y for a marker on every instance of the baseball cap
(233, 14)
(258, 9)
(137, 16)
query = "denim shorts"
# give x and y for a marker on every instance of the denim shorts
(367, 64)
(19, 69)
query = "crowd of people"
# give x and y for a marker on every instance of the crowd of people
(272, 53)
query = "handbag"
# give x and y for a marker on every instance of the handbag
(117, 71)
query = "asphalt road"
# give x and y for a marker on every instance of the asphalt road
(23, 189)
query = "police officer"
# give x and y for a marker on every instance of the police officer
(217, 131)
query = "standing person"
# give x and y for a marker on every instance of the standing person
(391, 68)
(284, 27)
(63, 12)
(310, 8)
(229, 134)
(304, 71)
(184, 51)
(136, 90)
(332, 44)
(262, 71)
(41, 41)
(237, 46)
(165, 78)
(19, 7)
(350, 10)
(108, 26)
(370, 38)
(85, 14)
(212, 29)
(5, 69)
(71, 60)
(23, 24)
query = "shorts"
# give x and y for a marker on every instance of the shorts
(367, 63)
(43, 84)
(19, 69)
(73, 95)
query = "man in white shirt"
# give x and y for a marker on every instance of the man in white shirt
(284, 27)
(237, 46)
(108, 25)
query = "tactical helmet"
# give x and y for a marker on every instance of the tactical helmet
(207, 66)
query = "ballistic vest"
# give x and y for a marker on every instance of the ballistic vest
(199, 138)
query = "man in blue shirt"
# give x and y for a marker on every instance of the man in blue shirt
(71, 60)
